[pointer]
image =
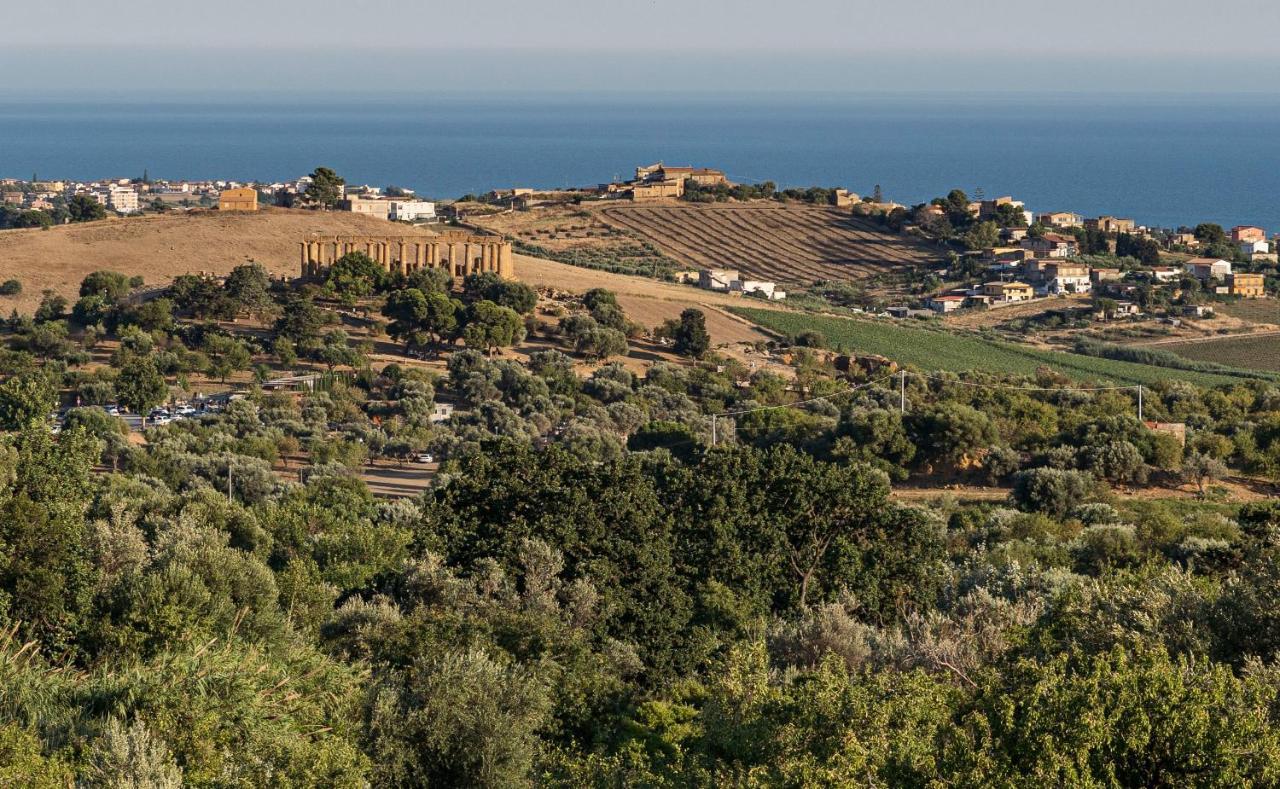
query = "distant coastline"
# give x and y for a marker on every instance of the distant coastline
(1163, 159)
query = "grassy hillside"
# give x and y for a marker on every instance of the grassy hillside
(935, 349)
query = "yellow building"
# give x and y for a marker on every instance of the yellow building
(1249, 286)
(245, 199)
(1008, 291)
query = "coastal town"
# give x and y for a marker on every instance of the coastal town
(990, 253)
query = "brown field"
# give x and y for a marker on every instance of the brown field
(1254, 310)
(161, 247)
(783, 242)
(1254, 351)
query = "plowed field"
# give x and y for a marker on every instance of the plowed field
(786, 243)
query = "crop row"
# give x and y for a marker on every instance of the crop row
(786, 244)
(930, 349)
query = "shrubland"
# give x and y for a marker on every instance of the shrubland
(591, 591)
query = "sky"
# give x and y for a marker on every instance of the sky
(232, 46)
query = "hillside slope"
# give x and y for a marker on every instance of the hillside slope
(162, 247)
(789, 243)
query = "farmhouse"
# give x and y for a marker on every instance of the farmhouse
(1208, 268)
(945, 304)
(1060, 219)
(1100, 275)
(379, 207)
(717, 278)
(1052, 245)
(1008, 291)
(1117, 309)
(768, 290)
(655, 190)
(1110, 224)
(243, 199)
(702, 176)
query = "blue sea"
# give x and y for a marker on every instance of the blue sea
(1164, 160)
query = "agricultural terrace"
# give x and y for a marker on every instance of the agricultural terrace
(785, 243)
(931, 349)
(1256, 352)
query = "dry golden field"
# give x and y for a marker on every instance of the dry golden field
(161, 247)
(788, 243)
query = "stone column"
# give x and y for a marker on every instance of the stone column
(506, 267)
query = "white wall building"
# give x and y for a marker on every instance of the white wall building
(1255, 247)
(411, 210)
(767, 289)
(123, 199)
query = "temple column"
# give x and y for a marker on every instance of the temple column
(505, 265)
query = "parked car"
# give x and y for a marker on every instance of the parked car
(426, 457)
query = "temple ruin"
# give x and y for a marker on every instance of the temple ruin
(460, 252)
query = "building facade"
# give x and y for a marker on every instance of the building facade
(411, 210)
(1208, 268)
(243, 199)
(1249, 286)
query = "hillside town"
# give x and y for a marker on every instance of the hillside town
(50, 199)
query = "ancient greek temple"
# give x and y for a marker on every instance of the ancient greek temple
(460, 252)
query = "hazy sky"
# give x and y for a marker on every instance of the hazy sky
(665, 45)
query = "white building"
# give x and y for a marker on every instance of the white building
(411, 210)
(1208, 268)
(122, 199)
(767, 289)
(1255, 247)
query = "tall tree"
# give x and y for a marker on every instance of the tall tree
(491, 326)
(250, 288)
(691, 335)
(140, 386)
(83, 208)
(325, 189)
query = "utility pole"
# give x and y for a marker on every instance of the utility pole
(713, 430)
(228, 480)
(1140, 402)
(902, 391)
